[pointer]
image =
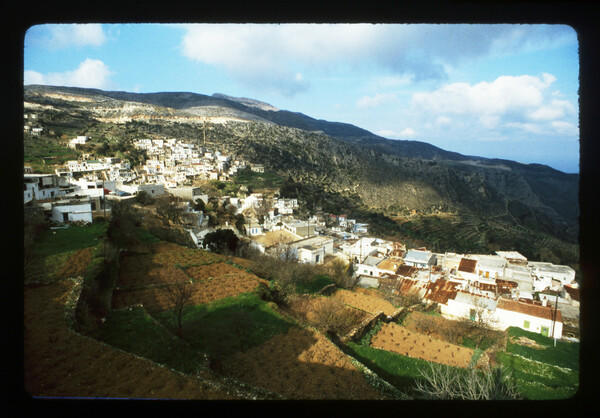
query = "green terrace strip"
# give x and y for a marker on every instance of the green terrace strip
(565, 354)
(56, 241)
(400, 371)
(226, 326)
(145, 236)
(317, 284)
(134, 331)
(539, 381)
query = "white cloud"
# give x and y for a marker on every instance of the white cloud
(555, 110)
(67, 35)
(408, 133)
(90, 73)
(506, 93)
(387, 133)
(443, 120)
(565, 128)
(377, 100)
(274, 53)
(527, 127)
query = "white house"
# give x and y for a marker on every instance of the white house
(253, 227)
(369, 266)
(40, 187)
(530, 316)
(316, 241)
(311, 254)
(490, 266)
(465, 305)
(72, 210)
(564, 274)
(419, 258)
(301, 228)
(450, 260)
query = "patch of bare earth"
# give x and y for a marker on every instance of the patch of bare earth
(393, 337)
(527, 342)
(61, 363)
(301, 364)
(364, 302)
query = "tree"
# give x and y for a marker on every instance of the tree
(122, 229)
(221, 241)
(143, 198)
(341, 274)
(168, 210)
(179, 293)
(446, 383)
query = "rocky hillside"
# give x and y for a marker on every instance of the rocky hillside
(334, 159)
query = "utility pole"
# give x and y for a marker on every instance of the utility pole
(554, 322)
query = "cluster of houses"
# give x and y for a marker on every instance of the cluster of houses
(172, 162)
(504, 288)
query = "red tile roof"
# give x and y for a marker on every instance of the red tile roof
(545, 312)
(467, 265)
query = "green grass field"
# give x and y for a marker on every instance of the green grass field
(314, 286)
(228, 325)
(398, 370)
(134, 331)
(57, 241)
(542, 373)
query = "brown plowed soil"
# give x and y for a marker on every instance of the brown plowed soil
(367, 303)
(393, 337)
(60, 362)
(156, 299)
(301, 364)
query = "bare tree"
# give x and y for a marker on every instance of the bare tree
(179, 293)
(341, 274)
(168, 210)
(445, 383)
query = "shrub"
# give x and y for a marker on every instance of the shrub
(331, 315)
(443, 382)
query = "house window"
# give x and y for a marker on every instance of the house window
(317, 259)
(65, 216)
(526, 324)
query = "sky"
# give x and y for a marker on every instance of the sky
(497, 91)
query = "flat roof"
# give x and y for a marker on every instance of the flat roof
(372, 261)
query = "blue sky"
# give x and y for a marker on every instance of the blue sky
(498, 91)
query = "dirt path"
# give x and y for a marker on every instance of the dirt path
(59, 362)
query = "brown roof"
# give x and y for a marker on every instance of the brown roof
(389, 265)
(406, 271)
(405, 286)
(545, 312)
(441, 290)
(486, 287)
(573, 292)
(505, 286)
(467, 265)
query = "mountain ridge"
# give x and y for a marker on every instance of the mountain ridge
(342, 158)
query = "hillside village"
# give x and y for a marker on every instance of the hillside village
(505, 288)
